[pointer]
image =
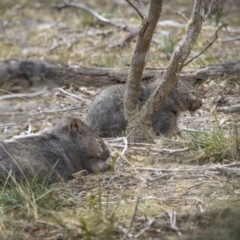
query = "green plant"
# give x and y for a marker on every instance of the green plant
(169, 45)
(87, 20)
(101, 217)
(214, 145)
(29, 197)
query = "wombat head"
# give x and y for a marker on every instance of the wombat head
(84, 147)
(186, 96)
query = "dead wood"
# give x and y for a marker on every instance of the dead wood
(229, 109)
(23, 75)
(18, 75)
(85, 8)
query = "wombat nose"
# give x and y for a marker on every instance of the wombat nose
(106, 153)
(103, 152)
(196, 105)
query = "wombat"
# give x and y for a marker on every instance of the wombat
(106, 113)
(70, 147)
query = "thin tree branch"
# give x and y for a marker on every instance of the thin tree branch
(83, 7)
(175, 66)
(209, 9)
(209, 45)
(177, 12)
(135, 8)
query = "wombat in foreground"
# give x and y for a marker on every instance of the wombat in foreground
(106, 113)
(70, 147)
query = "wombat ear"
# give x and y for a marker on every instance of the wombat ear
(75, 125)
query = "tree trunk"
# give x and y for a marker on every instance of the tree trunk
(175, 66)
(136, 70)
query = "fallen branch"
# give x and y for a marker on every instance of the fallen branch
(170, 151)
(173, 222)
(143, 230)
(41, 112)
(83, 7)
(198, 168)
(124, 149)
(70, 94)
(39, 73)
(230, 39)
(229, 109)
(229, 171)
(22, 95)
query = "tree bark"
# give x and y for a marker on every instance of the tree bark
(175, 66)
(137, 66)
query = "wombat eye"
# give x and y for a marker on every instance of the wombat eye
(15, 83)
(193, 92)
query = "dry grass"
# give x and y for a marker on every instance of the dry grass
(184, 193)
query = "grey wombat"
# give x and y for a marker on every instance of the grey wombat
(70, 147)
(106, 113)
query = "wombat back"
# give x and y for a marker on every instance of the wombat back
(70, 147)
(106, 113)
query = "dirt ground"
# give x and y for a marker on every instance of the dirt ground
(174, 189)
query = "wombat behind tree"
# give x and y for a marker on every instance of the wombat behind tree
(106, 113)
(70, 147)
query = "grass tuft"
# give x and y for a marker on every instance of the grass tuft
(215, 145)
(29, 198)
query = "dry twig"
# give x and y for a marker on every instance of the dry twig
(178, 12)
(70, 94)
(132, 220)
(212, 167)
(229, 109)
(173, 223)
(209, 45)
(83, 7)
(124, 149)
(22, 95)
(232, 39)
(135, 8)
(149, 224)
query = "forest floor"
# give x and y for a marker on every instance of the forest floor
(185, 187)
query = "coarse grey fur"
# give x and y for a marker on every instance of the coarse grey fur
(106, 113)
(70, 147)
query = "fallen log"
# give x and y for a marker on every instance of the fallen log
(21, 75)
